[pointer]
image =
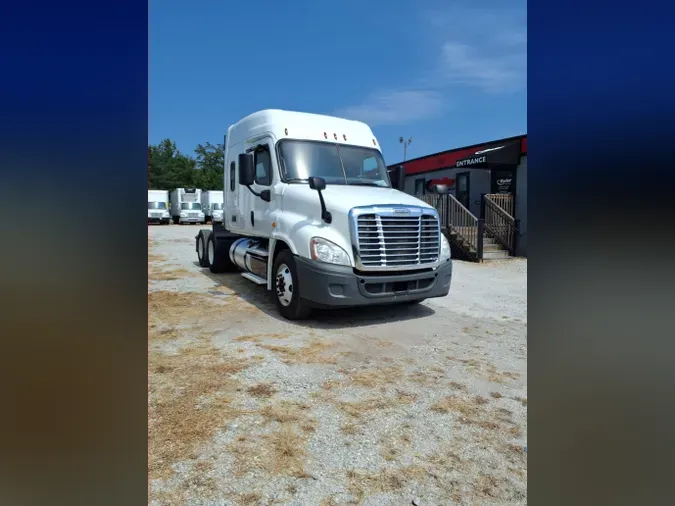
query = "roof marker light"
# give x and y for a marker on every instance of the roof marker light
(325, 135)
(374, 143)
(335, 135)
(286, 131)
(344, 136)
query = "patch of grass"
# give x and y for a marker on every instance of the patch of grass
(392, 444)
(357, 409)
(405, 397)
(457, 386)
(288, 451)
(522, 400)
(387, 480)
(257, 338)
(262, 390)
(350, 428)
(495, 395)
(372, 378)
(468, 407)
(249, 498)
(287, 412)
(311, 353)
(330, 384)
(191, 399)
(157, 274)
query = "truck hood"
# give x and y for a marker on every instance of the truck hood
(342, 198)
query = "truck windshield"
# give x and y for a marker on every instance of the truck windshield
(217, 206)
(156, 205)
(193, 206)
(337, 164)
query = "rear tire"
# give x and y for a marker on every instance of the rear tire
(218, 258)
(286, 288)
(202, 238)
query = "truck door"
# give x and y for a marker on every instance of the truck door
(265, 177)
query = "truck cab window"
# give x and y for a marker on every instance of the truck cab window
(263, 167)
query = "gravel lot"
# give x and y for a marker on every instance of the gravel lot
(368, 406)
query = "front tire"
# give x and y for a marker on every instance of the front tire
(175, 220)
(286, 288)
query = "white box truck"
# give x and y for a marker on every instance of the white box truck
(158, 206)
(312, 215)
(212, 205)
(186, 206)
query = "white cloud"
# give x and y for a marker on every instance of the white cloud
(492, 73)
(391, 107)
(477, 47)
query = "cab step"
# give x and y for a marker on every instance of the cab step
(252, 277)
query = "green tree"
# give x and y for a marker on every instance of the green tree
(169, 168)
(210, 161)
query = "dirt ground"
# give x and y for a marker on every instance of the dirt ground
(368, 406)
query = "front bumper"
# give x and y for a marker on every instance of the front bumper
(326, 285)
(190, 220)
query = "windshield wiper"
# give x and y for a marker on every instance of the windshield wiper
(366, 183)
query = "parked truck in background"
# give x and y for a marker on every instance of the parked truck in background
(311, 213)
(212, 205)
(186, 206)
(158, 206)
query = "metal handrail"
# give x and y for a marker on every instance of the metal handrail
(503, 200)
(500, 224)
(455, 216)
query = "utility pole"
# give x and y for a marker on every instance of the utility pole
(405, 145)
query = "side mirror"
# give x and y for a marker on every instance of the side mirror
(317, 183)
(246, 169)
(398, 177)
(440, 189)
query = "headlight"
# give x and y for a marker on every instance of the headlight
(183, 214)
(445, 248)
(326, 251)
(165, 214)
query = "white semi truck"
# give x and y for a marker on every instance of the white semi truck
(186, 206)
(212, 205)
(312, 215)
(158, 206)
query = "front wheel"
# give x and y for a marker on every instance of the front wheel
(286, 288)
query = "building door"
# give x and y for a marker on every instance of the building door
(503, 182)
(462, 191)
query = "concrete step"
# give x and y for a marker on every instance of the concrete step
(493, 247)
(496, 255)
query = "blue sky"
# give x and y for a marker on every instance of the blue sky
(446, 73)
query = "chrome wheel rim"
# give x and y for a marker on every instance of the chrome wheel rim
(212, 251)
(284, 285)
(200, 248)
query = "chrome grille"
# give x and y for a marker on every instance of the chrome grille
(156, 215)
(193, 215)
(388, 240)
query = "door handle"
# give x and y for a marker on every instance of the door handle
(252, 219)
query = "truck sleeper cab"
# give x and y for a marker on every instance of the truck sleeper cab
(311, 214)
